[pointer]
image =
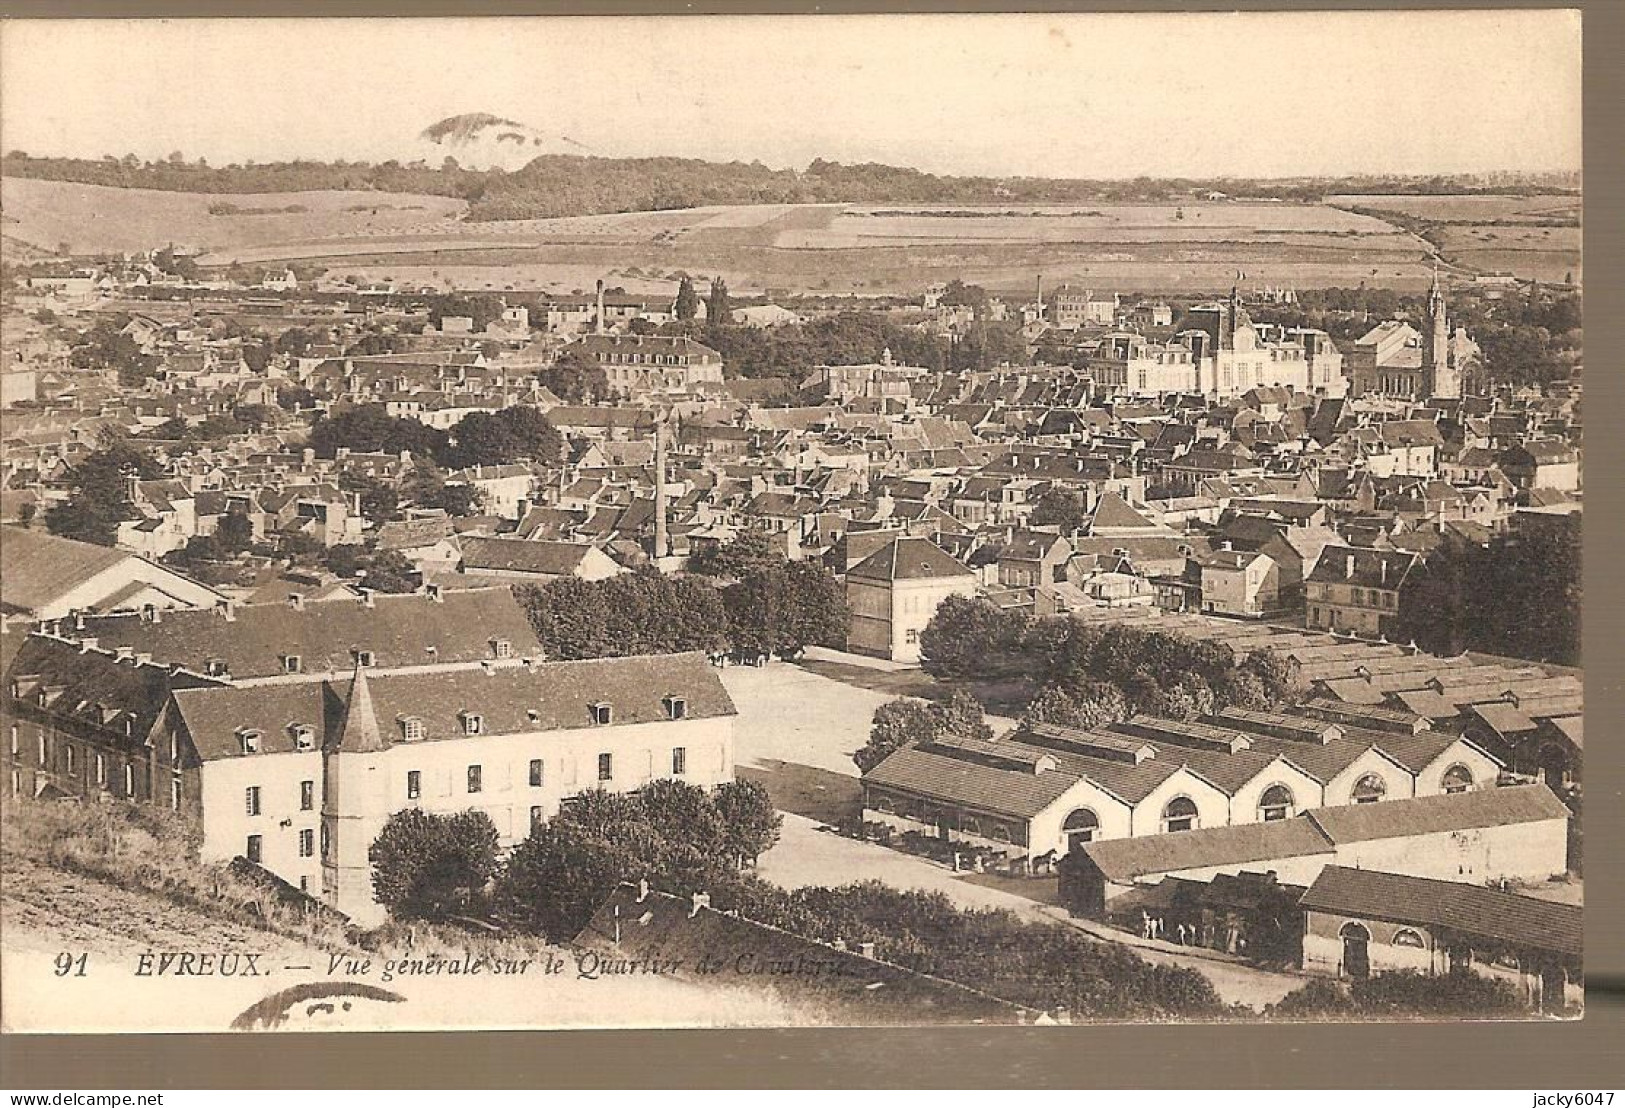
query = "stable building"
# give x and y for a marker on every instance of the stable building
(1517, 833)
(1358, 922)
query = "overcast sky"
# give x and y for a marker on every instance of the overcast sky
(1070, 95)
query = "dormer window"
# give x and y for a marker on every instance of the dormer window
(676, 707)
(473, 724)
(411, 729)
(364, 659)
(304, 738)
(602, 714)
(292, 663)
(251, 741)
(215, 667)
(501, 648)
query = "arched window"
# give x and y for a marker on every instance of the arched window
(884, 804)
(1001, 832)
(1370, 789)
(1407, 937)
(970, 825)
(1179, 815)
(1457, 779)
(1080, 827)
(1276, 803)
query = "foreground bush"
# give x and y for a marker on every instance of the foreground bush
(1400, 994)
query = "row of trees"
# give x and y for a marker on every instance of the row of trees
(1386, 996)
(1089, 674)
(774, 608)
(480, 438)
(560, 185)
(435, 867)
(847, 338)
(683, 840)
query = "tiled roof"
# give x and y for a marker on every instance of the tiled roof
(1459, 907)
(37, 567)
(558, 559)
(909, 559)
(1122, 860)
(1501, 807)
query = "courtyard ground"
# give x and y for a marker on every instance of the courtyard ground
(796, 730)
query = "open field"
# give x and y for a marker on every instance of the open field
(95, 219)
(833, 248)
(1530, 236)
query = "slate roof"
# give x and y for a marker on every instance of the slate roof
(325, 633)
(1459, 907)
(510, 699)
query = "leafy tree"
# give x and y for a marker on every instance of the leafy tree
(814, 609)
(687, 305)
(575, 378)
(98, 498)
(495, 438)
(391, 571)
(345, 559)
(718, 305)
(369, 428)
(902, 722)
(1060, 507)
(965, 634)
(235, 533)
(296, 342)
(750, 823)
(1097, 704)
(751, 551)
(430, 867)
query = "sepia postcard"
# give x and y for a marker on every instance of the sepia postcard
(724, 521)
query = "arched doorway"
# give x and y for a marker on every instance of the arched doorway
(1457, 779)
(1356, 950)
(1080, 827)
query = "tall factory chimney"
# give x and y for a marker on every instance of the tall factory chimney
(598, 322)
(662, 547)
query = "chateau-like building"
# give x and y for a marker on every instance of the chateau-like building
(1394, 359)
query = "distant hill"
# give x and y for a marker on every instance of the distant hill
(479, 140)
(551, 184)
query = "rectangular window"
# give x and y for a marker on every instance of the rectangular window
(472, 724)
(16, 782)
(175, 793)
(411, 729)
(14, 740)
(602, 714)
(535, 817)
(101, 770)
(251, 799)
(307, 795)
(606, 767)
(291, 663)
(307, 843)
(535, 772)
(255, 850)
(70, 760)
(129, 780)
(676, 707)
(43, 748)
(414, 784)
(474, 775)
(679, 761)
(304, 883)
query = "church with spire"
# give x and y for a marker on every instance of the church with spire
(1394, 359)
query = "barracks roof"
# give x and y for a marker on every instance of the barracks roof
(1471, 909)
